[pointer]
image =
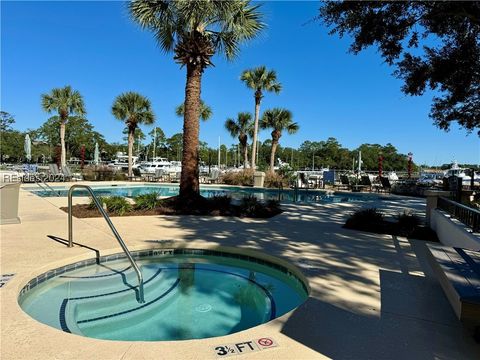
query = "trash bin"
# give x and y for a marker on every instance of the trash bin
(258, 179)
(9, 192)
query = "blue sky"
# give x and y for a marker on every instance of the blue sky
(98, 50)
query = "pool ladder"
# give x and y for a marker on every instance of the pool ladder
(45, 187)
(141, 298)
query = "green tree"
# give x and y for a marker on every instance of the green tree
(11, 141)
(450, 63)
(65, 101)
(195, 31)
(175, 145)
(241, 128)
(203, 151)
(279, 120)
(133, 109)
(259, 79)
(111, 149)
(80, 132)
(11, 145)
(6, 121)
(158, 140)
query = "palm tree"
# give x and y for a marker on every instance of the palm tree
(195, 31)
(241, 128)
(205, 111)
(279, 120)
(259, 80)
(133, 109)
(66, 102)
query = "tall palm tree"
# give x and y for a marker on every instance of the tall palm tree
(279, 120)
(66, 102)
(205, 111)
(242, 128)
(260, 79)
(133, 109)
(195, 31)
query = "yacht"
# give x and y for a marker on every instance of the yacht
(157, 163)
(430, 179)
(455, 170)
(121, 162)
(175, 166)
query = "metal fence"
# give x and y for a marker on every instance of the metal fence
(468, 216)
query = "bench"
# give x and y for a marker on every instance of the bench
(458, 271)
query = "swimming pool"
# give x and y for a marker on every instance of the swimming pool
(189, 294)
(285, 195)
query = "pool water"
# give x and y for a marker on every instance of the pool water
(286, 195)
(187, 296)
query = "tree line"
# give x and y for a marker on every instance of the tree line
(81, 133)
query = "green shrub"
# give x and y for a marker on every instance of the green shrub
(220, 202)
(250, 206)
(101, 200)
(407, 222)
(147, 201)
(117, 205)
(273, 205)
(365, 219)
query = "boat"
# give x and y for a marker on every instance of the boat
(457, 171)
(430, 179)
(175, 166)
(121, 162)
(157, 163)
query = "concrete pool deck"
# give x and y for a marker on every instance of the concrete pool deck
(372, 296)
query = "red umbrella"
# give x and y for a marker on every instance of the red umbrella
(380, 166)
(410, 163)
(82, 156)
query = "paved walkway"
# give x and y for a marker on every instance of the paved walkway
(372, 296)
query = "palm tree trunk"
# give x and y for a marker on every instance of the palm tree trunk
(272, 154)
(131, 136)
(63, 155)
(245, 155)
(258, 98)
(189, 184)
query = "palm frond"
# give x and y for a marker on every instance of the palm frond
(133, 108)
(261, 79)
(65, 101)
(195, 29)
(232, 127)
(279, 120)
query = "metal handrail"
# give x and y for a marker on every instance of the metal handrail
(467, 215)
(99, 206)
(462, 206)
(39, 180)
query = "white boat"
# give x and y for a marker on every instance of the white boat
(158, 163)
(121, 162)
(392, 176)
(175, 166)
(430, 179)
(455, 170)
